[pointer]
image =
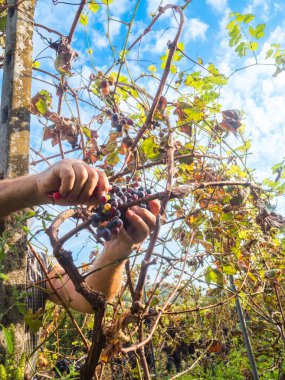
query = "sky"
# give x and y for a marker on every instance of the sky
(254, 91)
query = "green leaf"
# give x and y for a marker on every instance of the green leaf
(107, 2)
(259, 31)
(152, 68)
(154, 301)
(276, 167)
(269, 53)
(200, 61)
(86, 132)
(151, 149)
(241, 49)
(213, 275)
(36, 65)
(248, 17)
(94, 7)
(42, 106)
(83, 19)
(3, 276)
(227, 269)
(231, 25)
(8, 339)
(254, 45)
(240, 18)
(251, 31)
(3, 21)
(32, 321)
(246, 146)
(113, 158)
(173, 69)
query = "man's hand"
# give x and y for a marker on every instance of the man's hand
(74, 179)
(142, 222)
(108, 280)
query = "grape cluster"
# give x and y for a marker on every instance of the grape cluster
(109, 216)
(120, 123)
(61, 366)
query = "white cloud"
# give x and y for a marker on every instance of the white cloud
(114, 28)
(99, 40)
(195, 29)
(119, 7)
(217, 5)
(263, 4)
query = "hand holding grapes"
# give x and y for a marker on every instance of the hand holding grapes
(141, 222)
(73, 181)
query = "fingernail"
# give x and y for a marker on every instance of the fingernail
(131, 212)
(56, 195)
(135, 208)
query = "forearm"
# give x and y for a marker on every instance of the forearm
(16, 194)
(107, 280)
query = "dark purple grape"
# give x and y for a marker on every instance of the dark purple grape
(96, 218)
(61, 367)
(117, 213)
(108, 214)
(110, 209)
(120, 223)
(124, 199)
(119, 128)
(112, 224)
(120, 202)
(113, 209)
(115, 117)
(105, 233)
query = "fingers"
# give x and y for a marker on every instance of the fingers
(89, 187)
(78, 182)
(81, 177)
(139, 229)
(103, 184)
(67, 179)
(154, 206)
(146, 216)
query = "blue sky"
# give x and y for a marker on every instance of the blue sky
(254, 90)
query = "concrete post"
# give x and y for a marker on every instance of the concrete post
(14, 150)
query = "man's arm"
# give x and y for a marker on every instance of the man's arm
(75, 180)
(109, 279)
(16, 194)
(79, 183)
